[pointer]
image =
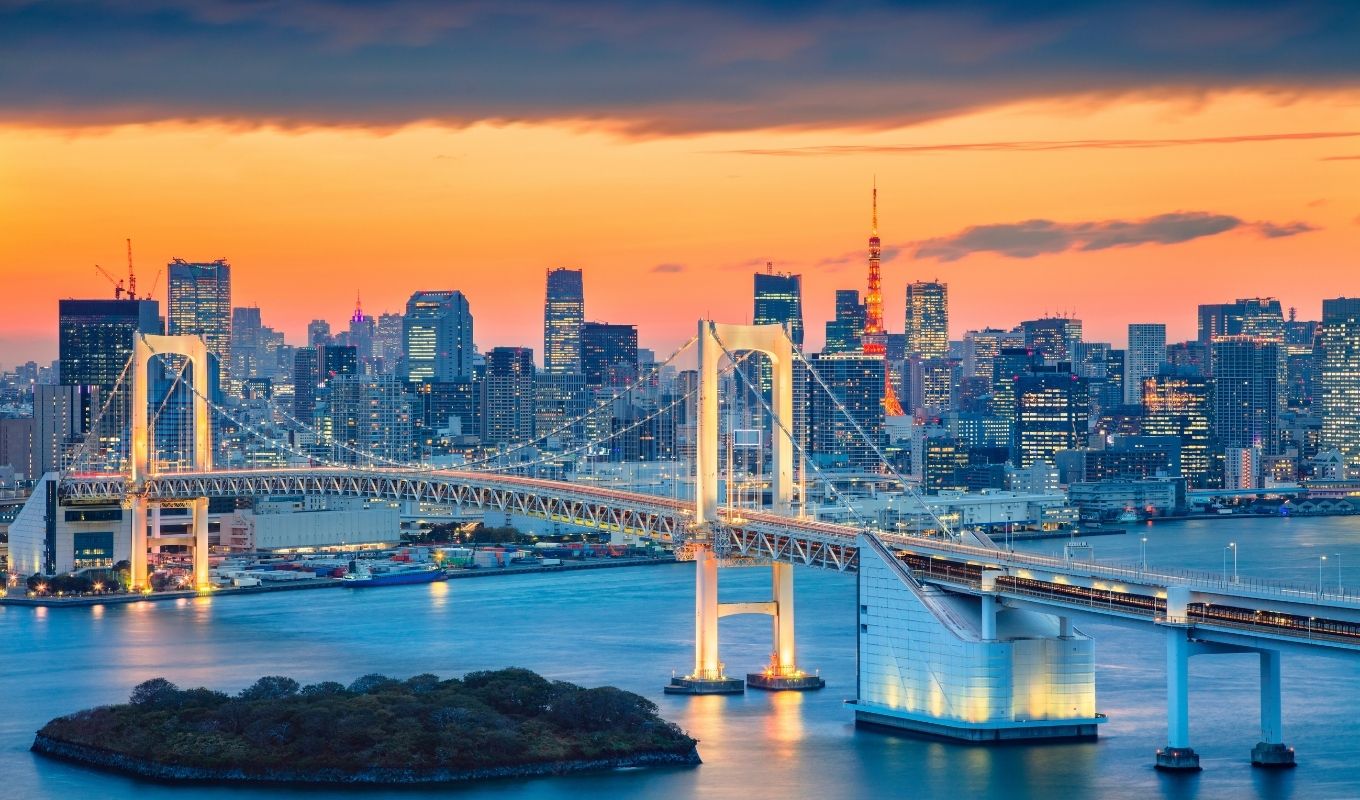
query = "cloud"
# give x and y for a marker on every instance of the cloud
(669, 267)
(1038, 237)
(1042, 146)
(643, 67)
(1341, 158)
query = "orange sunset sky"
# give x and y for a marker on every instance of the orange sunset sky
(669, 221)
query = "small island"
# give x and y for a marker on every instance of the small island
(378, 730)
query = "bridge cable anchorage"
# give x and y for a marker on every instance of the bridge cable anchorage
(784, 429)
(907, 486)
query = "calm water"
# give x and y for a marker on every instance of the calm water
(632, 627)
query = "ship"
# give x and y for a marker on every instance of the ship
(362, 575)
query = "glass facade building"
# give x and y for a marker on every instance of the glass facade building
(437, 337)
(564, 311)
(927, 319)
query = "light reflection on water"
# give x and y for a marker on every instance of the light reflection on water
(631, 627)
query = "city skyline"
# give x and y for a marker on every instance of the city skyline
(1223, 157)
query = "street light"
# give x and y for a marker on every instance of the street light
(1321, 560)
(1337, 556)
(1233, 546)
(1144, 547)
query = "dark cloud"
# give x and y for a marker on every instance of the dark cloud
(1041, 146)
(643, 66)
(669, 267)
(1038, 237)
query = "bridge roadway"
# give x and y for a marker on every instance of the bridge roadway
(1223, 609)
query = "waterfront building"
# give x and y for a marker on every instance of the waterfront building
(508, 396)
(198, 303)
(1340, 380)
(1246, 393)
(843, 334)
(1243, 468)
(437, 337)
(1143, 358)
(927, 319)
(1179, 405)
(1108, 500)
(564, 312)
(609, 354)
(1052, 413)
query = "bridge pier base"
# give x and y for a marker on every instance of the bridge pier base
(1177, 756)
(708, 676)
(783, 674)
(138, 580)
(1271, 752)
(199, 510)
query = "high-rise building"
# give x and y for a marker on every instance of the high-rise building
(1258, 317)
(1246, 394)
(306, 377)
(334, 359)
(856, 381)
(980, 349)
(779, 300)
(1340, 380)
(928, 319)
(387, 343)
(318, 333)
(369, 417)
(95, 338)
(609, 354)
(1143, 358)
(247, 347)
(1190, 357)
(437, 337)
(564, 311)
(1052, 413)
(198, 303)
(843, 334)
(1178, 404)
(1052, 337)
(560, 400)
(932, 383)
(508, 396)
(362, 330)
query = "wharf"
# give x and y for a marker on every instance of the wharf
(87, 601)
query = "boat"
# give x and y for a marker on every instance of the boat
(362, 575)
(1129, 515)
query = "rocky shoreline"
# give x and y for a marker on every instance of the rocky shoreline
(118, 762)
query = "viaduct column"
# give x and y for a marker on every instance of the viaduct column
(1271, 751)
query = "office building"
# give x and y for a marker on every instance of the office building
(1179, 405)
(1246, 394)
(779, 300)
(1052, 337)
(1339, 381)
(198, 303)
(318, 333)
(370, 418)
(1052, 413)
(95, 338)
(844, 333)
(306, 377)
(856, 381)
(1143, 358)
(437, 337)
(508, 392)
(387, 343)
(609, 354)
(927, 319)
(564, 311)
(980, 349)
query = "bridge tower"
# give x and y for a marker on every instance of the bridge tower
(707, 539)
(143, 461)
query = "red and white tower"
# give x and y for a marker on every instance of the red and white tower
(875, 335)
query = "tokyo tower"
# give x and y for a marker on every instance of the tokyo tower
(875, 336)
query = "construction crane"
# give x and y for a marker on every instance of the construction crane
(132, 276)
(117, 284)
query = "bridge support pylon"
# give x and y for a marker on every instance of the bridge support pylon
(1271, 751)
(782, 673)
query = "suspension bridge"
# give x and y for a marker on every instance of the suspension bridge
(958, 636)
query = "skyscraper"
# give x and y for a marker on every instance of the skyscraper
(362, 329)
(1143, 358)
(928, 319)
(609, 354)
(306, 376)
(369, 416)
(1246, 394)
(508, 396)
(980, 349)
(857, 381)
(1052, 413)
(874, 332)
(318, 333)
(1052, 337)
(1340, 380)
(437, 337)
(1178, 404)
(564, 310)
(198, 303)
(843, 333)
(779, 300)
(95, 337)
(387, 342)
